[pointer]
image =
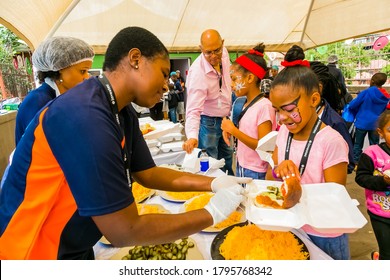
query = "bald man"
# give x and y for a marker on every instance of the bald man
(209, 99)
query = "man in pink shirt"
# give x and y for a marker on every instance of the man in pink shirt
(209, 99)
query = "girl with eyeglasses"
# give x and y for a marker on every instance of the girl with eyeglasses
(305, 146)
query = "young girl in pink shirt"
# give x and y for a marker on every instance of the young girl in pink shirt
(373, 174)
(306, 147)
(257, 117)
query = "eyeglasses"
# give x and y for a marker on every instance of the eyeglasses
(210, 53)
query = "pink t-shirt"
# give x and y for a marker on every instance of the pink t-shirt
(329, 148)
(204, 97)
(257, 114)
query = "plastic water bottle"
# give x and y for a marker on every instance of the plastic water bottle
(204, 161)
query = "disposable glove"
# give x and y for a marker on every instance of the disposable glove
(224, 202)
(226, 181)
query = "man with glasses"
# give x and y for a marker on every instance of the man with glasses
(209, 99)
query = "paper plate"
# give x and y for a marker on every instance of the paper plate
(186, 196)
(214, 229)
(141, 193)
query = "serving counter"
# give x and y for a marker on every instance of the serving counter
(203, 240)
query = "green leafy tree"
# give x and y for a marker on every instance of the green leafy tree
(16, 81)
(351, 56)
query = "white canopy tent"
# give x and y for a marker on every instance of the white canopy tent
(179, 23)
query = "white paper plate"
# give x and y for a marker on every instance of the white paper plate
(214, 229)
(170, 198)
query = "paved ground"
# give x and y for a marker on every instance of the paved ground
(362, 242)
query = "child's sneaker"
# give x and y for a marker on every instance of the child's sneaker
(375, 255)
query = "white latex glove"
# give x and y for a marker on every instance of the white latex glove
(224, 202)
(226, 181)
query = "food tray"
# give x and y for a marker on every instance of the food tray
(193, 253)
(171, 137)
(173, 146)
(154, 151)
(213, 229)
(162, 129)
(326, 207)
(152, 143)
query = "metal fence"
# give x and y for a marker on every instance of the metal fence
(16, 82)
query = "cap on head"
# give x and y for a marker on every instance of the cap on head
(177, 71)
(172, 73)
(333, 58)
(275, 67)
(57, 53)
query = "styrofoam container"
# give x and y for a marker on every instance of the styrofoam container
(177, 136)
(326, 207)
(173, 146)
(154, 151)
(152, 143)
(162, 129)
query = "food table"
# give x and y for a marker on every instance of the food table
(204, 240)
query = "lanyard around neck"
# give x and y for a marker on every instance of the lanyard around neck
(114, 109)
(242, 113)
(309, 144)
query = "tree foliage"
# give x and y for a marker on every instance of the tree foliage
(16, 81)
(351, 56)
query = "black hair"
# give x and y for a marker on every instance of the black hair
(331, 89)
(297, 76)
(379, 79)
(129, 38)
(383, 119)
(54, 75)
(258, 59)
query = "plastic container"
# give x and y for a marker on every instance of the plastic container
(204, 161)
(326, 207)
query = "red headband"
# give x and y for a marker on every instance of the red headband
(300, 62)
(252, 51)
(253, 67)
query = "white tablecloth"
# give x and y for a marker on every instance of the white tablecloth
(204, 240)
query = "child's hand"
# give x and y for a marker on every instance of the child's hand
(287, 169)
(226, 137)
(386, 178)
(227, 125)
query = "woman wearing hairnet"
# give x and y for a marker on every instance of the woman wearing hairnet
(62, 63)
